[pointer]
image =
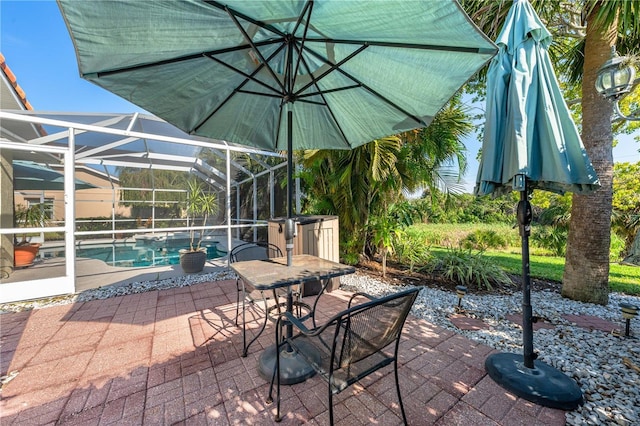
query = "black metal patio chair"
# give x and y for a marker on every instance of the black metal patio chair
(259, 251)
(351, 345)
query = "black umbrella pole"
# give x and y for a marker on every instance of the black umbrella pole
(289, 237)
(524, 219)
(289, 164)
(539, 382)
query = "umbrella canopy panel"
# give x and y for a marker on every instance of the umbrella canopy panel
(350, 71)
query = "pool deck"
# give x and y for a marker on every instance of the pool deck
(93, 273)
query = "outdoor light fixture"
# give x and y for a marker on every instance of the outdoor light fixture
(616, 78)
(460, 292)
(629, 311)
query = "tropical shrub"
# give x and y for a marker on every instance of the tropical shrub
(483, 239)
(468, 268)
(411, 251)
(350, 249)
(551, 238)
(618, 247)
(384, 231)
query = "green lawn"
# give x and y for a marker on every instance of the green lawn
(622, 279)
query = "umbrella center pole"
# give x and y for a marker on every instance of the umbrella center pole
(289, 228)
(289, 235)
(524, 220)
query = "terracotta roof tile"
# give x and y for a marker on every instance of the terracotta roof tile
(14, 82)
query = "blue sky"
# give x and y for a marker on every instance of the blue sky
(36, 46)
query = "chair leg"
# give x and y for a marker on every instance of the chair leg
(395, 370)
(330, 406)
(273, 379)
(276, 377)
(237, 300)
(244, 323)
(264, 325)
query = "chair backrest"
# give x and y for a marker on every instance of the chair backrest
(370, 327)
(254, 251)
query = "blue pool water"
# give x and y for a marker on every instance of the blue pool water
(134, 255)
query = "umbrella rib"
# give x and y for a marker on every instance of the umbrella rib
(333, 66)
(307, 7)
(249, 77)
(245, 17)
(385, 99)
(337, 89)
(253, 46)
(251, 92)
(370, 90)
(191, 57)
(324, 100)
(335, 120)
(419, 46)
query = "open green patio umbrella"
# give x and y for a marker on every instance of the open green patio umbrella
(530, 141)
(280, 75)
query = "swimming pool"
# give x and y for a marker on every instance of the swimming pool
(133, 254)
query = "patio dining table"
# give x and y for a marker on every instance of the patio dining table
(270, 274)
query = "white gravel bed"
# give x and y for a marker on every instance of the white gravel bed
(593, 358)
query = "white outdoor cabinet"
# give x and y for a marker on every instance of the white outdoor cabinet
(315, 235)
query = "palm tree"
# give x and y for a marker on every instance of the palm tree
(586, 275)
(581, 47)
(349, 183)
(367, 180)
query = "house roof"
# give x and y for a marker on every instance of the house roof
(13, 97)
(20, 97)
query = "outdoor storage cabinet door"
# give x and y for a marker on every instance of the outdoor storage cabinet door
(315, 235)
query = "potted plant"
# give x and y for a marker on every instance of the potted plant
(199, 204)
(24, 251)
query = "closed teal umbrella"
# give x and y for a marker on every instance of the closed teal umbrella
(530, 142)
(529, 131)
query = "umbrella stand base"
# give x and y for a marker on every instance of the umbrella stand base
(542, 384)
(293, 368)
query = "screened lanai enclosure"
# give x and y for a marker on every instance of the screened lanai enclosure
(106, 194)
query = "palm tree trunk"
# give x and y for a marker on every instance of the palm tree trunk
(586, 274)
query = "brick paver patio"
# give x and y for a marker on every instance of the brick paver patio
(592, 323)
(173, 357)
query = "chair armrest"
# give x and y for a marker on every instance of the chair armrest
(289, 317)
(366, 295)
(309, 332)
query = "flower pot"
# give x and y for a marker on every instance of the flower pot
(193, 261)
(24, 255)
